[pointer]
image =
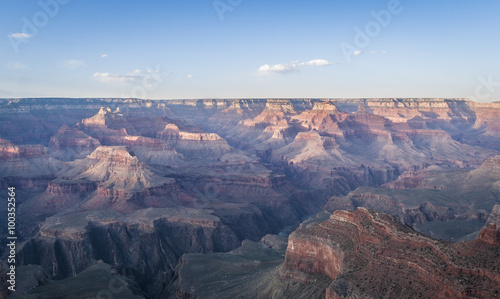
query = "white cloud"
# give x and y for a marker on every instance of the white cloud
(16, 66)
(316, 62)
(357, 53)
(135, 76)
(190, 76)
(109, 77)
(104, 55)
(292, 66)
(72, 64)
(21, 35)
(278, 68)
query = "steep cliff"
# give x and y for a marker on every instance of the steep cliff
(366, 254)
(258, 165)
(70, 143)
(144, 245)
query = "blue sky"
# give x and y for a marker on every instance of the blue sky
(250, 49)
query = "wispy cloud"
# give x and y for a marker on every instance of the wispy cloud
(284, 68)
(359, 52)
(278, 68)
(72, 64)
(132, 77)
(20, 35)
(104, 55)
(316, 62)
(16, 66)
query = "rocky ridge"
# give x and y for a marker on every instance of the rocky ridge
(367, 254)
(258, 165)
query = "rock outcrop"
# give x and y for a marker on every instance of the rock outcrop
(490, 235)
(494, 216)
(257, 166)
(26, 167)
(70, 143)
(433, 197)
(144, 245)
(366, 254)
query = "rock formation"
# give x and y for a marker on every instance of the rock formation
(366, 254)
(179, 176)
(70, 143)
(144, 245)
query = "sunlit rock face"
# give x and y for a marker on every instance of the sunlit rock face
(369, 254)
(240, 169)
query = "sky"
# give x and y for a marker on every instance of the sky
(250, 49)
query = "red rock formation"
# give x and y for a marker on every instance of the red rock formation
(490, 235)
(492, 163)
(24, 165)
(64, 188)
(194, 143)
(121, 181)
(70, 143)
(112, 128)
(323, 117)
(413, 180)
(369, 254)
(314, 255)
(9, 150)
(275, 111)
(487, 116)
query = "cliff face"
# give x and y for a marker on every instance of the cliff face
(27, 167)
(70, 143)
(193, 143)
(258, 165)
(123, 182)
(490, 235)
(434, 197)
(144, 245)
(494, 216)
(367, 254)
(314, 255)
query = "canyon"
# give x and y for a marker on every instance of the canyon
(318, 195)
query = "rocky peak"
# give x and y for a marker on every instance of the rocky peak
(171, 127)
(9, 150)
(324, 107)
(362, 110)
(310, 135)
(117, 154)
(101, 118)
(104, 111)
(492, 163)
(490, 234)
(494, 216)
(280, 105)
(67, 136)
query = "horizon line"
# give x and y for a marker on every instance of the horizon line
(247, 98)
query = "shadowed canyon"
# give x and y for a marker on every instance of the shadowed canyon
(253, 198)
